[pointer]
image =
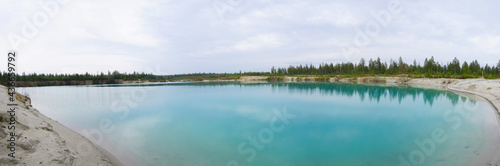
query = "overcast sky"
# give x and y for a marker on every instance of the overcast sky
(187, 36)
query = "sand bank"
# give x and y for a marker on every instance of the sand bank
(43, 141)
(487, 90)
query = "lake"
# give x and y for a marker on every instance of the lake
(293, 124)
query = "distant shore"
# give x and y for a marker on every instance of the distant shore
(255, 76)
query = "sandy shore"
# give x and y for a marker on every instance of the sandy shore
(43, 141)
(486, 90)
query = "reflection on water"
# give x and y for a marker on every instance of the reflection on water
(222, 123)
(373, 92)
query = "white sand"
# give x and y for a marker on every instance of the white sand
(43, 141)
(486, 90)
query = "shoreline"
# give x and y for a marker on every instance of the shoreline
(485, 90)
(69, 135)
(482, 90)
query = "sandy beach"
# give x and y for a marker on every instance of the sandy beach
(480, 89)
(43, 141)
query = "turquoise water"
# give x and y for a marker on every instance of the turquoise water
(275, 124)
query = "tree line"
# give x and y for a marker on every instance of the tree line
(110, 77)
(116, 77)
(430, 68)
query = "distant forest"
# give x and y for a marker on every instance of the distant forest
(430, 69)
(109, 77)
(117, 77)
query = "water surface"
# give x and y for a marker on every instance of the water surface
(276, 123)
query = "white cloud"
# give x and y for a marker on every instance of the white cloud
(490, 44)
(188, 36)
(114, 21)
(258, 42)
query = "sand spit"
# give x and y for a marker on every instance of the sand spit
(43, 141)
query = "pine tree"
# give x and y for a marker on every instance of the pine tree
(371, 66)
(401, 65)
(415, 66)
(465, 68)
(498, 66)
(379, 66)
(432, 64)
(455, 66)
(361, 65)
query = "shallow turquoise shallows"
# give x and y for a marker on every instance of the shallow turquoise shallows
(284, 124)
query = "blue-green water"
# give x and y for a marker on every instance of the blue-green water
(276, 124)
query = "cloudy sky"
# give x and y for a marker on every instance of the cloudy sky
(187, 36)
